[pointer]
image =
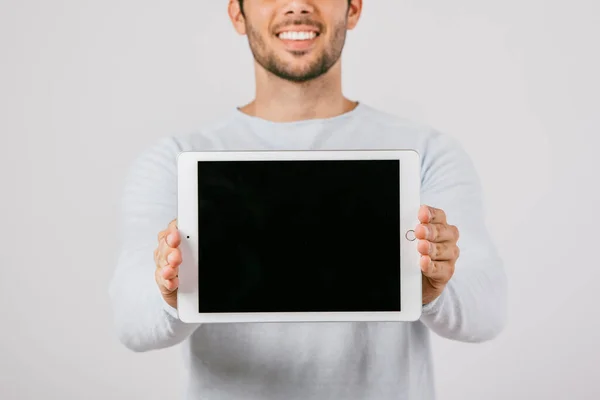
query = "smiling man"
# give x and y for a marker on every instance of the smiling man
(299, 104)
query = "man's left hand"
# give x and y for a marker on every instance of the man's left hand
(439, 252)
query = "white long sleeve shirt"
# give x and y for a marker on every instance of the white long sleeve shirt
(309, 361)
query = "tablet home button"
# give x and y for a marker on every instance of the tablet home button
(410, 235)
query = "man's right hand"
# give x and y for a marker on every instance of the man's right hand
(167, 257)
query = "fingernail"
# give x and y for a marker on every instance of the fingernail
(170, 258)
(430, 248)
(426, 232)
(170, 239)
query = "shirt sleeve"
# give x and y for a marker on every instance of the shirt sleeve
(143, 320)
(473, 306)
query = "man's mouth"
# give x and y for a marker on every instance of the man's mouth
(299, 38)
(297, 35)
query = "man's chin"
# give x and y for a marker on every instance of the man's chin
(301, 71)
(295, 70)
(299, 76)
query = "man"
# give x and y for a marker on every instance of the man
(299, 105)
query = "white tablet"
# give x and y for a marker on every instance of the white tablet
(299, 236)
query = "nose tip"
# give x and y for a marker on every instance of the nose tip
(298, 7)
(289, 12)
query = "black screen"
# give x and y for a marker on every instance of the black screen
(299, 236)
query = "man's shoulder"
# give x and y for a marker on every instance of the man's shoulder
(392, 118)
(202, 137)
(438, 148)
(412, 130)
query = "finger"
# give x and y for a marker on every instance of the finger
(169, 272)
(441, 251)
(425, 247)
(431, 215)
(173, 257)
(445, 251)
(170, 266)
(169, 258)
(171, 285)
(166, 285)
(173, 238)
(165, 274)
(439, 271)
(172, 227)
(169, 243)
(437, 232)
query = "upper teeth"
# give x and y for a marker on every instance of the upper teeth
(297, 35)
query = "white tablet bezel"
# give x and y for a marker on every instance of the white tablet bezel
(410, 280)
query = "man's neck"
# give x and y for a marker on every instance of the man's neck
(279, 100)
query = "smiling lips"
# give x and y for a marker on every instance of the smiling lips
(299, 35)
(299, 38)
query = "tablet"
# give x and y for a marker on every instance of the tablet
(299, 236)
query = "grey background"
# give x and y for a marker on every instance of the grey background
(85, 85)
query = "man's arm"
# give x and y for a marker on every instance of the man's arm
(144, 320)
(473, 305)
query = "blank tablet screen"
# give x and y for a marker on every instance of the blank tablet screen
(299, 236)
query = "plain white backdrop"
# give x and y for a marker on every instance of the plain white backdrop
(85, 85)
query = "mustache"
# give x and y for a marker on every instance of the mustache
(299, 21)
